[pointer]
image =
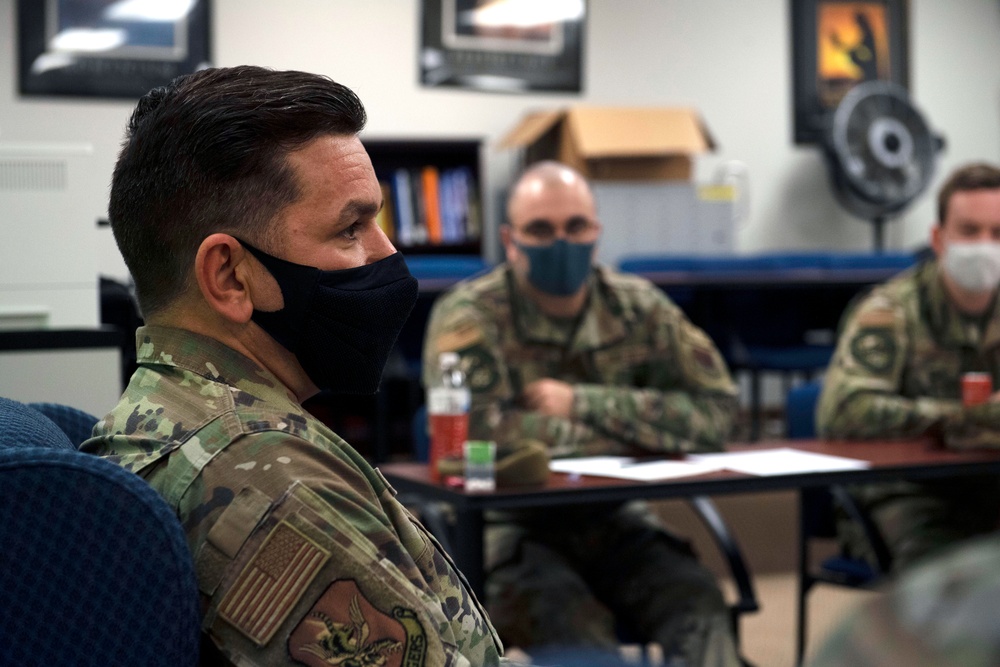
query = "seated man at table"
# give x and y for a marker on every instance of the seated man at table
(587, 361)
(244, 205)
(897, 372)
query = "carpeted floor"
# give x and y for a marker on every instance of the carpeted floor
(767, 638)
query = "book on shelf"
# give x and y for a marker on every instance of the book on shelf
(430, 185)
(431, 206)
(386, 216)
(403, 201)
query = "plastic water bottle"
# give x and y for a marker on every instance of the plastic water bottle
(448, 413)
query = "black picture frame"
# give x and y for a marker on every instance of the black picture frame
(96, 48)
(541, 58)
(837, 44)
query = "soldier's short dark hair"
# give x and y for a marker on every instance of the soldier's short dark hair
(978, 176)
(206, 154)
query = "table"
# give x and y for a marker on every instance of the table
(889, 460)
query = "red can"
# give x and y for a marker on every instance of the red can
(976, 388)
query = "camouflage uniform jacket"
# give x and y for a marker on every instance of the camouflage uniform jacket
(939, 614)
(643, 375)
(899, 361)
(303, 554)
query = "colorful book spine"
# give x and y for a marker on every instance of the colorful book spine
(403, 201)
(430, 182)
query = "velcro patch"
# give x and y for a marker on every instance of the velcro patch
(272, 582)
(876, 318)
(875, 349)
(705, 359)
(459, 338)
(344, 628)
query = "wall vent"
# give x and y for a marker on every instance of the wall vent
(32, 174)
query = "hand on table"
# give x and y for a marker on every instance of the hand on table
(549, 397)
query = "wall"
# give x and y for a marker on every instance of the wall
(729, 59)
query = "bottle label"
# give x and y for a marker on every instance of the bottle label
(448, 401)
(448, 435)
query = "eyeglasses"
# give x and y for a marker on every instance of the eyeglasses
(577, 229)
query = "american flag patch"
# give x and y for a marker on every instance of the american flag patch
(272, 582)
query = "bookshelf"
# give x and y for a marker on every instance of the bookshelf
(433, 194)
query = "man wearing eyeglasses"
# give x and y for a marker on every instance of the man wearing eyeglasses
(588, 361)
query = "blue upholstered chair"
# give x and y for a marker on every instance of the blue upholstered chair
(818, 511)
(23, 426)
(94, 566)
(75, 423)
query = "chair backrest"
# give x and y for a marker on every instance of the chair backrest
(23, 426)
(94, 566)
(75, 423)
(421, 438)
(800, 410)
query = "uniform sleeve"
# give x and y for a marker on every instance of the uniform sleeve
(861, 395)
(688, 401)
(301, 559)
(460, 325)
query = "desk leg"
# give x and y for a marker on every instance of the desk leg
(804, 583)
(468, 547)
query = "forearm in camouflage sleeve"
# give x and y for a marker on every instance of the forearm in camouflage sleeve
(877, 414)
(660, 421)
(975, 427)
(564, 437)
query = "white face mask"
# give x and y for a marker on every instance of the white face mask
(973, 266)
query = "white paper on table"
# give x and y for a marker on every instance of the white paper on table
(781, 461)
(623, 467)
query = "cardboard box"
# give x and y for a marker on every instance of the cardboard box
(615, 143)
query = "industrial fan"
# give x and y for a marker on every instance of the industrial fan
(880, 152)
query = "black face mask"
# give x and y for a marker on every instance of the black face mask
(341, 325)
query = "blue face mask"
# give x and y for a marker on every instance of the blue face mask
(559, 269)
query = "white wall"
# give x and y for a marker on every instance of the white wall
(729, 59)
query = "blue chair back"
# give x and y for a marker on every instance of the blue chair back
(421, 438)
(800, 410)
(94, 566)
(23, 426)
(75, 423)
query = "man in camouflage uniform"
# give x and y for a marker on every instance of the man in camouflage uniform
(302, 552)
(898, 367)
(587, 361)
(941, 613)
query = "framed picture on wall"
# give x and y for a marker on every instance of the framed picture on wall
(503, 45)
(108, 48)
(837, 44)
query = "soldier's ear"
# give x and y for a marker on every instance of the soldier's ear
(222, 271)
(510, 250)
(937, 240)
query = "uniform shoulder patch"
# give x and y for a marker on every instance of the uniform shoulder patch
(272, 582)
(875, 349)
(344, 628)
(699, 354)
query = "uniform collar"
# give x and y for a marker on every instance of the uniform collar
(208, 358)
(600, 324)
(949, 325)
